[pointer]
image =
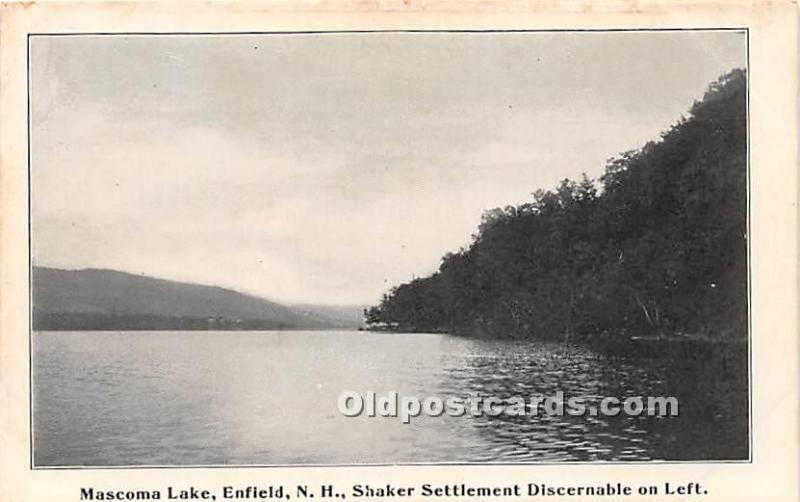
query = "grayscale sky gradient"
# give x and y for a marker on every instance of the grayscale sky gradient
(327, 168)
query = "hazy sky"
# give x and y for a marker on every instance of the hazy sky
(327, 168)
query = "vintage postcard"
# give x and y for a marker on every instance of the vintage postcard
(399, 251)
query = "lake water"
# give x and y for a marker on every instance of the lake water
(210, 398)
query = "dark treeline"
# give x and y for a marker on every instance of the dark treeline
(89, 321)
(656, 245)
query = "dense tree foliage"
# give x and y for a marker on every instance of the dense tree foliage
(656, 244)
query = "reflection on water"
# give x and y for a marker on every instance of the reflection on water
(713, 420)
(202, 398)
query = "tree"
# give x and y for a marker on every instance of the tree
(657, 243)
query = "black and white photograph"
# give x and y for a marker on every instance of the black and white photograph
(345, 248)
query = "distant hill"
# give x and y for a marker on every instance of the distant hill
(352, 315)
(111, 300)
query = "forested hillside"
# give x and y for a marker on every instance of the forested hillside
(658, 244)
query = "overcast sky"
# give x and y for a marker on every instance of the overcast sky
(328, 168)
